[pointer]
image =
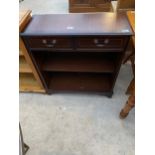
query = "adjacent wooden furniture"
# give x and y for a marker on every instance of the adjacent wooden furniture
(78, 52)
(90, 6)
(125, 5)
(29, 81)
(131, 89)
(131, 18)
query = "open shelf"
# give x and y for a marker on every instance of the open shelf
(24, 66)
(79, 82)
(77, 62)
(27, 82)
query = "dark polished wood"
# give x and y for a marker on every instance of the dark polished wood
(79, 24)
(78, 52)
(79, 82)
(50, 42)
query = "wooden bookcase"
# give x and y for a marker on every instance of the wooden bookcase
(78, 52)
(125, 5)
(29, 81)
(90, 6)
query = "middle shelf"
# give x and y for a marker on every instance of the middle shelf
(77, 62)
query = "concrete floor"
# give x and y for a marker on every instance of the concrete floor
(49, 6)
(45, 6)
(76, 124)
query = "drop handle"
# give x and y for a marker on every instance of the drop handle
(100, 45)
(44, 41)
(51, 44)
(106, 41)
(54, 41)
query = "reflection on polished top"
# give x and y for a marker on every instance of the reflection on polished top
(79, 24)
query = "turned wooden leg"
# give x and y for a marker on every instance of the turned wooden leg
(131, 87)
(129, 105)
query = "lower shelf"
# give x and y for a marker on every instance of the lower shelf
(79, 82)
(27, 83)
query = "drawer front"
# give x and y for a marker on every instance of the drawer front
(49, 42)
(101, 43)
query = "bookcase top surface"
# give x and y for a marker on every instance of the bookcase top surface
(79, 24)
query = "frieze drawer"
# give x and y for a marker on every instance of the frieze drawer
(116, 43)
(49, 42)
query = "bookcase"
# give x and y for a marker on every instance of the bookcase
(29, 81)
(78, 52)
(90, 6)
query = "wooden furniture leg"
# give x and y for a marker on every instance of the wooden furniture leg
(131, 87)
(129, 105)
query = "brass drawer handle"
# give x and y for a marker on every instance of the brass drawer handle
(49, 45)
(96, 41)
(106, 41)
(52, 43)
(44, 41)
(100, 45)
